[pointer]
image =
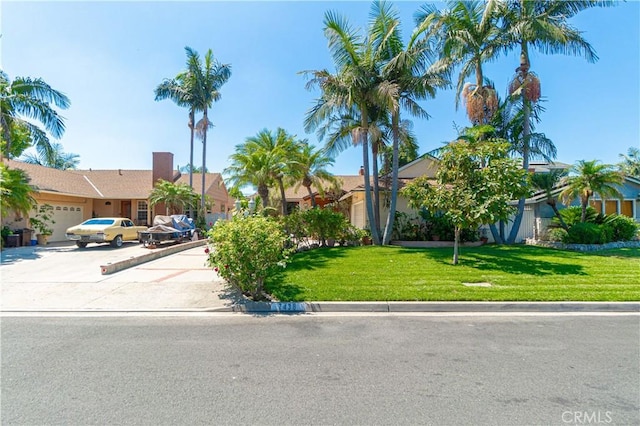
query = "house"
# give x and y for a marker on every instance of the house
(537, 214)
(77, 195)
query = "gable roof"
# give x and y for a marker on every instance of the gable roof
(347, 183)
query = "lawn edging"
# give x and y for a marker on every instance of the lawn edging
(583, 247)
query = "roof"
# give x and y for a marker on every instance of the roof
(299, 192)
(114, 184)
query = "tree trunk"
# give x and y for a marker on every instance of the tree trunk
(388, 229)
(367, 184)
(204, 160)
(376, 185)
(282, 197)
(191, 127)
(263, 191)
(497, 238)
(313, 198)
(456, 243)
(552, 203)
(584, 203)
(526, 131)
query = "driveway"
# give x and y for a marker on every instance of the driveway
(63, 277)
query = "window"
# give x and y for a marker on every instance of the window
(143, 212)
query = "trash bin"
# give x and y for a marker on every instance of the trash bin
(26, 236)
(13, 240)
(18, 232)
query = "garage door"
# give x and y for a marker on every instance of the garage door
(65, 216)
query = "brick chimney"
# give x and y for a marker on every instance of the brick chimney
(162, 166)
(361, 172)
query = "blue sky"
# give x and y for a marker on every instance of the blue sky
(109, 56)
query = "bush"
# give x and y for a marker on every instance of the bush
(572, 215)
(623, 228)
(584, 233)
(246, 251)
(556, 234)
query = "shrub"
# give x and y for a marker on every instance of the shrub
(571, 215)
(246, 251)
(623, 228)
(323, 224)
(584, 233)
(556, 234)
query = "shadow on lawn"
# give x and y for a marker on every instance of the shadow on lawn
(512, 260)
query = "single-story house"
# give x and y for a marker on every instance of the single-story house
(78, 195)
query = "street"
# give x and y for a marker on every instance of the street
(306, 369)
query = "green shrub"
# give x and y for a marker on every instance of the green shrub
(572, 215)
(584, 233)
(623, 228)
(247, 250)
(556, 234)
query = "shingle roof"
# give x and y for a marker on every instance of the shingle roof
(125, 184)
(347, 183)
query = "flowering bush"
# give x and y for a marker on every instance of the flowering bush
(246, 251)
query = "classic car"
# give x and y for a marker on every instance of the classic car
(113, 230)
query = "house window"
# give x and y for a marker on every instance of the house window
(143, 212)
(626, 208)
(596, 204)
(610, 207)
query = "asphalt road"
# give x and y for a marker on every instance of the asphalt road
(240, 369)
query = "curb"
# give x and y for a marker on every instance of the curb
(435, 307)
(120, 265)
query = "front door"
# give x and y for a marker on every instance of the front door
(125, 209)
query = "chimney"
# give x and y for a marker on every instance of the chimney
(162, 166)
(361, 172)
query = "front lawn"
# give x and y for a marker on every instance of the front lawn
(516, 273)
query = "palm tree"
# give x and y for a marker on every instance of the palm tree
(547, 182)
(539, 24)
(311, 169)
(31, 99)
(178, 90)
(15, 191)
(468, 36)
(175, 196)
(203, 81)
(631, 162)
(356, 86)
(280, 149)
(250, 168)
(410, 77)
(57, 160)
(589, 178)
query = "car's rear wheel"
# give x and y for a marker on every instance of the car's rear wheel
(81, 244)
(117, 241)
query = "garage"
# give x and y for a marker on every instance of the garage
(64, 216)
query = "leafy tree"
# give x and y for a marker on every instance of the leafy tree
(542, 25)
(547, 182)
(310, 169)
(16, 191)
(176, 197)
(474, 184)
(25, 99)
(588, 178)
(58, 159)
(631, 162)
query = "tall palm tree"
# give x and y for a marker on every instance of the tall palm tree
(311, 169)
(469, 37)
(58, 160)
(542, 25)
(589, 178)
(409, 72)
(32, 99)
(547, 182)
(178, 90)
(203, 80)
(355, 86)
(250, 168)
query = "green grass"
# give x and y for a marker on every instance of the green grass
(517, 273)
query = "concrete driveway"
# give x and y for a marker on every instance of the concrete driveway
(65, 278)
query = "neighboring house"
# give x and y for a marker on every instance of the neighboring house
(77, 195)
